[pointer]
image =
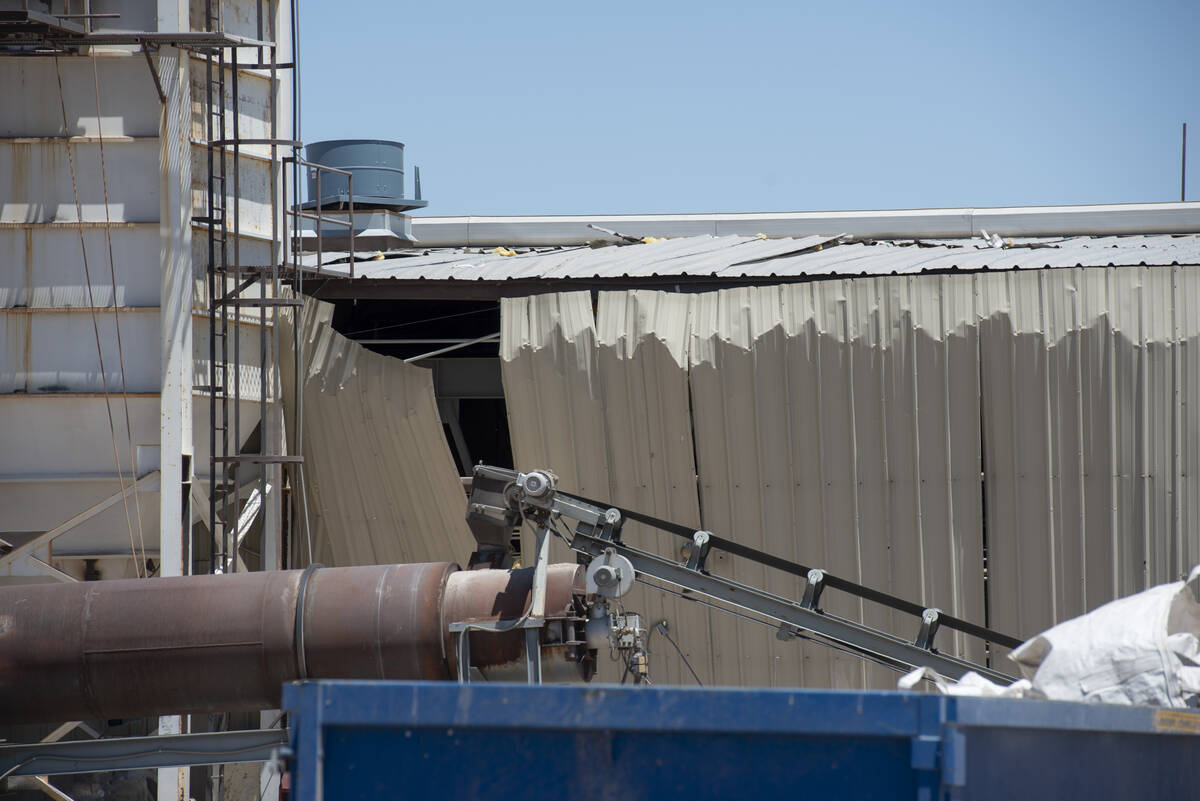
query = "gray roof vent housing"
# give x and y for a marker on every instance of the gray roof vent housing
(378, 169)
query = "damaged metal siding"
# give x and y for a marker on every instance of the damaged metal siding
(888, 429)
(630, 445)
(381, 484)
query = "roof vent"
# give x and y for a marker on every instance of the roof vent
(378, 169)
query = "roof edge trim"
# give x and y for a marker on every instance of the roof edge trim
(963, 223)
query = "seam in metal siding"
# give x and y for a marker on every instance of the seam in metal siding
(882, 427)
(382, 486)
(603, 402)
(643, 342)
(1090, 436)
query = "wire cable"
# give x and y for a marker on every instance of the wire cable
(661, 627)
(112, 272)
(419, 322)
(87, 273)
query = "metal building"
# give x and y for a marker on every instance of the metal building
(1002, 426)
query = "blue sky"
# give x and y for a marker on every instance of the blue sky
(624, 107)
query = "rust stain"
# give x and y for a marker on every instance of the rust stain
(17, 351)
(19, 191)
(28, 299)
(28, 354)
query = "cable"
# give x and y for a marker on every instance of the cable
(112, 272)
(661, 627)
(87, 273)
(418, 322)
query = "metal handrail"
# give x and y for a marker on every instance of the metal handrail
(298, 214)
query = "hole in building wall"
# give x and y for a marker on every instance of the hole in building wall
(466, 379)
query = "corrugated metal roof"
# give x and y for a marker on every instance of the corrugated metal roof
(381, 484)
(888, 429)
(745, 257)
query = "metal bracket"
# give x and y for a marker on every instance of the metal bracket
(813, 590)
(146, 47)
(533, 621)
(930, 622)
(699, 550)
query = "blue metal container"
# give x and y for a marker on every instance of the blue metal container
(376, 740)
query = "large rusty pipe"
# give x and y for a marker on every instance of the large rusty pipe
(131, 648)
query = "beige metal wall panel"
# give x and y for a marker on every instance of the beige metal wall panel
(1089, 436)
(129, 104)
(382, 487)
(630, 445)
(739, 489)
(53, 434)
(819, 439)
(55, 350)
(42, 266)
(1186, 542)
(552, 391)
(38, 180)
(889, 430)
(642, 358)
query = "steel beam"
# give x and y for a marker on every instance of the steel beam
(856, 637)
(133, 753)
(147, 483)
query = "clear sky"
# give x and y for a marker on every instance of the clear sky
(664, 106)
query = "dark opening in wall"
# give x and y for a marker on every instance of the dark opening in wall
(466, 377)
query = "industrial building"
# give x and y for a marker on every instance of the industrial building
(223, 359)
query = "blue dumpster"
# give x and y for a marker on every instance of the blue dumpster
(376, 740)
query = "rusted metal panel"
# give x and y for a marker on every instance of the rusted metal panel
(501, 657)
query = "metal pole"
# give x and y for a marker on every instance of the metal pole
(1183, 168)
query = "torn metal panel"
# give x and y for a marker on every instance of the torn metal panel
(1089, 437)
(630, 443)
(891, 429)
(382, 486)
(642, 356)
(552, 386)
(826, 432)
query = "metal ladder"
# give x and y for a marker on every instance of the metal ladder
(233, 286)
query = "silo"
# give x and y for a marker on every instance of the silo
(141, 149)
